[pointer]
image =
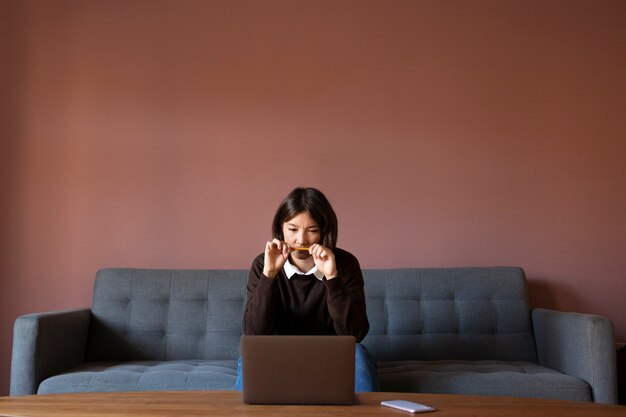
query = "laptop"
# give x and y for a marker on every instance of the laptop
(298, 369)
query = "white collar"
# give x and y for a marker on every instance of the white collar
(291, 270)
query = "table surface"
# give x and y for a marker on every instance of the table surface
(229, 403)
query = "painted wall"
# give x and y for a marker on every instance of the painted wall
(445, 133)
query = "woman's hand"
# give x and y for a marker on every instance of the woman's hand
(276, 254)
(324, 259)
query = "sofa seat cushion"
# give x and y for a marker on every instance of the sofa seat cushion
(144, 376)
(518, 379)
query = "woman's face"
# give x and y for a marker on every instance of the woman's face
(301, 230)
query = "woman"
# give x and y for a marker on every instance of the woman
(304, 284)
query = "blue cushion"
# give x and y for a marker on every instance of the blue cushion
(144, 376)
(140, 314)
(449, 313)
(517, 379)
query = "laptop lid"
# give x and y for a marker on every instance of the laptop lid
(298, 369)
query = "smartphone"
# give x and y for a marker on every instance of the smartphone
(408, 406)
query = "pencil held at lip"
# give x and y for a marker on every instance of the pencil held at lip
(300, 248)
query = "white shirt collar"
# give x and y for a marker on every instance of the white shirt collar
(291, 270)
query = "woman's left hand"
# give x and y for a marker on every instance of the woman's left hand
(324, 259)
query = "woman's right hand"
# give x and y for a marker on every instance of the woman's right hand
(276, 254)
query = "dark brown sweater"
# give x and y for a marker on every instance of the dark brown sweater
(305, 305)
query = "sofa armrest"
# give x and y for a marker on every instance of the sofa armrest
(45, 344)
(580, 345)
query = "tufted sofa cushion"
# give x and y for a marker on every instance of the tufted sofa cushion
(451, 313)
(140, 314)
(144, 376)
(521, 379)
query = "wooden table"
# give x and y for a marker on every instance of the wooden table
(229, 404)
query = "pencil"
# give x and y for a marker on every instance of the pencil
(301, 248)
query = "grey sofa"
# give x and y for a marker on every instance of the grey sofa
(437, 330)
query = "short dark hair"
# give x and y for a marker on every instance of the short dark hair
(313, 202)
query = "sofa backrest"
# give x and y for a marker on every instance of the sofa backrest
(449, 313)
(149, 314)
(423, 314)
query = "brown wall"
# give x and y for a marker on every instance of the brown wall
(445, 133)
